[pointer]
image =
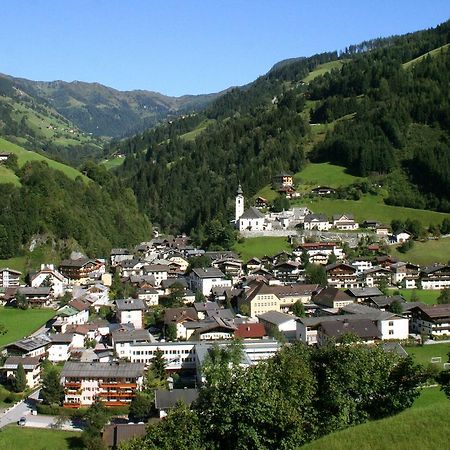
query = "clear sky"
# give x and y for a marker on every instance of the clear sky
(178, 47)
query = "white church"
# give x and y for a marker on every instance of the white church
(250, 219)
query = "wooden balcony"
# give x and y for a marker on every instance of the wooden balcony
(118, 385)
(116, 403)
(117, 394)
(73, 384)
(72, 405)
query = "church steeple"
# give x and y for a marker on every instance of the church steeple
(239, 209)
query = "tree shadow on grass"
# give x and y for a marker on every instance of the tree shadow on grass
(75, 443)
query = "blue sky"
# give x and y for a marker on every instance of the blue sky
(179, 47)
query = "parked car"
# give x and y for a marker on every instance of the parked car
(22, 421)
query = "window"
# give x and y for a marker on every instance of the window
(391, 323)
(391, 331)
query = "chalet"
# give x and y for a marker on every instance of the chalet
(178, 259)
(253, 264)
(400, 236)
(62, 345)
(332, 298)
(180, 316)
(261, 203)
(405, 274)
(123, 339)
(282, 180)
(131, 267)
(323, 190)
(385, 260)
(291, 293)
(50, 277)
(376, 276)
(362, 264)
(204, 279)
(371, 224)
(4, 156)
(382, 231)
(344, 222)
(312, 249)
(316, 222)
(232, 267)
(342, 275)
(276, 321)
(131, 310)
(81, 269)
(36, 296)
(383, 302)
(9, 277)
(362, 294)
(436, 276)
(288, 191)
(287, 271)
(31, 366)
(75, 312)
(114, 383)
(158, 271)
(213, 328)
(149, 295)
(431, 320)
(119, 255)
(364, 329)
(32, 346)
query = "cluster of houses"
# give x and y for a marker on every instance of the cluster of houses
(107, 358)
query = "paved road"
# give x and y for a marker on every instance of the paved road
(22, 409)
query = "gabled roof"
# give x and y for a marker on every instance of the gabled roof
(28, 363)
(102, 370)
(7, 269)
(130, 304)
(179, 315)
(363, 328)
(276, 318)
(331, 294)
(252, 213)
(140, 335)
(31, 343)
(250, 330)
(316, 218)
(340, 264)
(209, 272)
(79, 304)
(364, 292)
(166, 399)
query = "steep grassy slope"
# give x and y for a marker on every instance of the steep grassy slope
(427, 252)
(24, 156)
(433, 53)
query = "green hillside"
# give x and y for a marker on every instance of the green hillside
(324, 174)
(8, 176)
(322, 69)
(433, 53)
(426, 252)
(24, 156)
(421, 428)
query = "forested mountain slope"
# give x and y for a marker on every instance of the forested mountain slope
(396, 129)
(104, 111)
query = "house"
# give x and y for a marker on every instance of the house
(364, 329)
(289, 294)
(115, 434)
(383, 302)
(431, 320)
(32, 346)
(31, 366)
(131, 310)
(252, 220)
(9, 277)
(130, 267)
(276, 321)
(249, 330)
(323, 190)
(344, 222)
(204, 279)
(259, 298)
(62, 344)
(231, 267)
(342, 275)
(283, 179)
(202, 308)
(36, 296)
(182, 262)
(436, 276)
(332, 298)
(362, 264)
(165, 400)
(148, 295)
(325, 249)
(253, 264)
(119, 255)
(371, 224)
(382, 231)
(261, 203)
(316, 222)
(362, 294)
(81, 269)
(212, 328)
(180, 316)
(400, 236)
(287, 271)
(405, 274)
(4, 156)
(114, 383)
(76, 312)
(159, 271)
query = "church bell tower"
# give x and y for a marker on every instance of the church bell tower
(239, 209)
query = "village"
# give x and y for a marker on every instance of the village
(168, 299)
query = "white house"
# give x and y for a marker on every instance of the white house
(344, 222)
(62, 344)
(436, 276)
(148, 295)
(51, 277)
(158, 271)
(131, 310)
(401, 236)
(31, 366)
(9, 277)
(284, 323)
(431, 320)
(204, 280)
(316, 222)
(252, 220)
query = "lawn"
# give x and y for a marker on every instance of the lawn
(430, 396)
(24, 156)
(321, 69)
(191, 135)
(426, 252)
(415, 428)
(113, 163)
(371, 207)
(324, 174)
(423, 354)
(13, 437)
(418, 295)
(8, 176)
(261, 246)
(20, 323)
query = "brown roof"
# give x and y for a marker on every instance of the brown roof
(435, 312)
(363, 328)
(330, 294)
(294, 289)
(79, 304)
(179, 315)
(250, 330)
(114, 434)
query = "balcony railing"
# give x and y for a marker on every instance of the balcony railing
(72, 405)
(117, 394)
(73, 384)
(118, 385)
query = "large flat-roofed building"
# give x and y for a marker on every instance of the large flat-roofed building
(114, 383)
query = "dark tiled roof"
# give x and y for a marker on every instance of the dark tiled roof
(363, 328)
(252, 213)
(165, 399)
(130, 304)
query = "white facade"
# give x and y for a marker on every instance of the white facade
(253, 224)
(59, 352)
(239, 206)
(132, 316)
(316, 224)
(9, 278)
(57, 281)
(435, 284)
(395, 327)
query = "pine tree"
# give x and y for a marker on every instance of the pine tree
(20, 379)
(159, 364)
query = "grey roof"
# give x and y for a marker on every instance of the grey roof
(372, 313)
(120, 251)
(62, 338)
(275, 317)
(252, 213)
(338, 216)
(32, 343)
(75, 262)
(165, 399)
(209, 272)
(131, 336)
(102, 370)
(364, 292)
(130, 304)
(28, 363)
(316, 217)
(170, 281)
(382, 301)
(226, 314)
(35, 290)
(205, 306)
(130, 263)
(3, 269)
(363, 328)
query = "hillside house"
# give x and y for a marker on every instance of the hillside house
(344, 222)
(431, 320)
(81, 269)
(405, 274)
(37, 296)
(119, 255)
(283, 179)
(323, 191)
(436, 276)
(331, 297)
(130, 310)
(31, 366)
(204, 279)
(9, 277)
(376, 276)
(342, 275)
(31, 346)
(316, 222)
(50, 277)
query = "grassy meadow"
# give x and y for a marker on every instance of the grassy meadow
(261, 246)
(14, 437)
(112, 163)
(426, 252)
(8, 176)
(418, 295)
(322, 69)
(422, 354)
(20, 323)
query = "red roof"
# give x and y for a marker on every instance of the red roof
(250, 330)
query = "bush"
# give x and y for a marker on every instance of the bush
(49, 410)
